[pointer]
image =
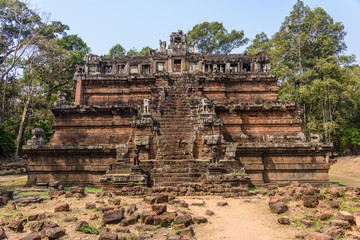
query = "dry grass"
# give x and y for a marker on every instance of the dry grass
(346, 171)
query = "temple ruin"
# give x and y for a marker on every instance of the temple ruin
(173, 117)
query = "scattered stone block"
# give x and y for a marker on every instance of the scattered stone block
(113, 216)
(284, 220)
(159, 208)
(278, 207)
(340, 223)
(200, 219)
(31, 236)
(198, 202)
(310, 201)
(209, 212)
(307, 223)
(317, 236)
(162, 198)
(70, 219)
(174, 237)
(108, 236)
(189, 231)
(122, 230)
(334, 204)
(80, 225)
(16, 225)
(2, 234)
(33, 217)
(334, 232)
(150, 199)
(62, 208)
(324, 216)
(90, 205)
(222, 204)
(343, 215)
(54, 233)
(185, 219)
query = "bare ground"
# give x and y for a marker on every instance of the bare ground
(243, 218)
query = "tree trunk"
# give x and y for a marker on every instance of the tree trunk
(48, 98)
(21, 128)
(2, 111)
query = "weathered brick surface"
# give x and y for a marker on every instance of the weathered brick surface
(180, 117)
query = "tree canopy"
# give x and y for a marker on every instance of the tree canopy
(214, 38)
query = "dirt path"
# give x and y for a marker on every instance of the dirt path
(240, 220)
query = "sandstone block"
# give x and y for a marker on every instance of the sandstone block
(278, 207)
(90, 205)
(113, 216)
(284, 220)
(310, 201)
(199, 219)
(334, 232)
(31, 236)
(340, 223)
(185, 219)
(54, 233)
(162, 198)
(108, 236)
(62, 208)
(159, 208)
(209, 212)
(222, 204)
(16, 225)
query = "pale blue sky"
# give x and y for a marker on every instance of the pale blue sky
(136, 23)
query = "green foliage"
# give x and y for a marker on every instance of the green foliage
(132, 53)
(76, 46)
(87, 228)
(116, 51)
(46, 125)
(7, 141)
(144, 51)
(350, 139)
(214, 38)
(260, 43)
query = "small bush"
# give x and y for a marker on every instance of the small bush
(86, 228)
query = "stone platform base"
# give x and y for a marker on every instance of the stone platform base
(264, 163)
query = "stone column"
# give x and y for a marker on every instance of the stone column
(79, 92)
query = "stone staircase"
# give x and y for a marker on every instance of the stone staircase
(172, 173)
(176, 130)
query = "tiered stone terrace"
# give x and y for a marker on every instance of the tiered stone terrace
(177, 117)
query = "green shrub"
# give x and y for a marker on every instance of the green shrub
(7, 141)
(86, 228)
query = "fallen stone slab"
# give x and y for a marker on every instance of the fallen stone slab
(62, 208)
(209, 212)
(31, 236)
(222, 204)
(284, 220)
(198, 202)
(199, 219)
(108, 236)
(113, 216)
(54, 233)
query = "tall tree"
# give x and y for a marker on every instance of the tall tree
(116, 51)
(306, 39)
(214, 38)
(20, 28)
(144, 51)
(132, 52)
(260, 43)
